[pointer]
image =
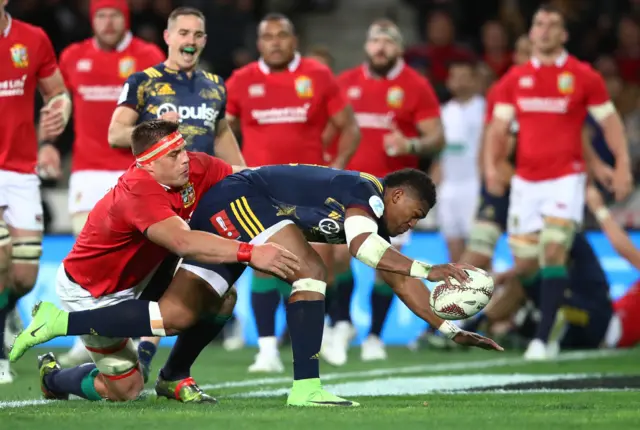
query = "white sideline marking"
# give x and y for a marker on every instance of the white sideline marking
(409, 386)
(425, 368)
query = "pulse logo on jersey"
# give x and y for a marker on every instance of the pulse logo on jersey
(202, 112)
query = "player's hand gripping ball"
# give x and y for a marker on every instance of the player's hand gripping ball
(458, 302)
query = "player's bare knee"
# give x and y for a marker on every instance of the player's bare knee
(126, 389)
(554, 254)
(229, 301)
(176, 317)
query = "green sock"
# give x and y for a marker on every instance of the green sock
(88, 388)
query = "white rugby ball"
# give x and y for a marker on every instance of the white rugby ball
(458, 302)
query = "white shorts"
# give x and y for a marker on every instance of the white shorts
(221, 282)
(115, 357)
(530, 202)
(456, 209)
(87, 187)
(21, 200)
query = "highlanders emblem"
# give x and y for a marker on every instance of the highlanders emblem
(565, 83)
(188, 195)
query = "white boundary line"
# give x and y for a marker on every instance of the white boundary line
(423, 368)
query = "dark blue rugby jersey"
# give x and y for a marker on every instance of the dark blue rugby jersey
(200, 100)
(316, 198)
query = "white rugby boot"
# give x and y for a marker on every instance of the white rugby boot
(268, 357)
(234, 338)
(373, 349)
(5, 372)
(336, 351)
(536, 351)
(76, 356)
(13, 326)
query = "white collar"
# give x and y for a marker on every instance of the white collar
(393, 73)
(124, 43)
(559, 62)
(6, 31)
(293, 65)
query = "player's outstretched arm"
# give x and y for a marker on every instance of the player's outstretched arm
(367, 246)
(121, 127)
(616, 235)
(416, 295)
(175, 235)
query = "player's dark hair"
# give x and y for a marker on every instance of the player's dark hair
(146, 134)
(322, 52)
(275, 16)
(463, 62)
(549, 8)
(416, 180)
(185, 11)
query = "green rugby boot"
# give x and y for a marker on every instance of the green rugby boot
(47, 363)
(309, 392)
(48, 322)
(184, 390)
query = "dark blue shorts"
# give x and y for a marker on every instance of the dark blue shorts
(588, 321)
(233, 209)
(493, 208)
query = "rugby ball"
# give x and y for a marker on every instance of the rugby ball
(458, 302)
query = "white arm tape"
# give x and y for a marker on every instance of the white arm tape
(449, 329)
(504, 111)
(67, 106)
(601, 112)
(372, 250)
(358, 224)
(419, 269)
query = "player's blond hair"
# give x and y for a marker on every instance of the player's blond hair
(184, 11)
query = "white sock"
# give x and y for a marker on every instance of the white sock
(268, 345)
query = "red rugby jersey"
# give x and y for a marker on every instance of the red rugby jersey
(26, 56)
(95, 78)
(283, 114)
(550, 103)
(111, 253)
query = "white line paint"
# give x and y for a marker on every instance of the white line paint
(409, 386)
(424, 368)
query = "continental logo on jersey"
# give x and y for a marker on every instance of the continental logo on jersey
(565, 83)
(304, 88)
(188, 194)
(395, 97)
(126, 67)
(210, 94)
(19, 56)
(164, 89)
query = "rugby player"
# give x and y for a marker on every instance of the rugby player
(28, 63)
(94, 70)
(554, 91)
(281, 105)
(399, 117)
(137, 225)
(177, 90)
(289, 205)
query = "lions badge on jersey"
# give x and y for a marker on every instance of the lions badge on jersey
(188, 195)
(304, 89)
(395, 96)
(19, 56)
(126, 67)
(565, 83)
